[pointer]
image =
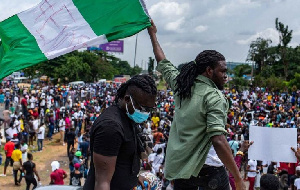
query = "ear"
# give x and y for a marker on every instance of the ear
(209, 71)
(127, 98)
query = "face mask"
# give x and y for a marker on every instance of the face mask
(137, 116)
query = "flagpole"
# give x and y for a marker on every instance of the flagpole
(136, 39)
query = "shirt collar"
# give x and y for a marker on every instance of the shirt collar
(206, 81)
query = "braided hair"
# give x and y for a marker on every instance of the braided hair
(186, 78)
(144, 82)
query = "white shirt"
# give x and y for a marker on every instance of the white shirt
(32, 102)
(62, 125)
(212, 158)
(24, 155)
(297, 183)
(253, 165)
(80, 115)
(42, 132)
(162, 146)
(35, 124)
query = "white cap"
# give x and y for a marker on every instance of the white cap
(55, 165)
(298, 168)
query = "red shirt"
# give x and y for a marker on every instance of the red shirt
(24, 102)
(58, 177)
(9, 147)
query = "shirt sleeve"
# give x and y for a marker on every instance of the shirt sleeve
(107, 138)
(216, 107)
(168, 71)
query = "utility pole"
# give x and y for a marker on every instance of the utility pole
(136, 39)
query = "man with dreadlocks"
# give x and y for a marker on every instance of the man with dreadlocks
(197, 148)
(114, 144)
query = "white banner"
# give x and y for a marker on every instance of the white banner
(273, 144)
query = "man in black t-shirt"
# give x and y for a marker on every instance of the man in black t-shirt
(30, 169)
(70, 138)
(114, 145)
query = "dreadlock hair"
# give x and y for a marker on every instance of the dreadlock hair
(186, 78)
(144, 82)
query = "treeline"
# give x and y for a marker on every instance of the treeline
(83, 66)
(276, 67)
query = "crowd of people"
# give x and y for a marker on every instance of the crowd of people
(32, 115)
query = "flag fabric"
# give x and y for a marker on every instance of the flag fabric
(56, 27)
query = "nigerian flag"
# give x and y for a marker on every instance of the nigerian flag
(56, 27)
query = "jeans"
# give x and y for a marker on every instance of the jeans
(40, 144)
(209, 178)
(51, 130)
(30, 180)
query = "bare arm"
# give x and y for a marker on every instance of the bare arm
(36, 173)
(224, 153)
(158, 52)
(104, 170)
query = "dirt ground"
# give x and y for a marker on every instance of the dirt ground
(52, 150)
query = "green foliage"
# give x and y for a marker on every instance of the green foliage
(86, 66)
(241, 70)
(150, 66)
(239, 82)
(285, 37)
(273, 82)
(294, 82)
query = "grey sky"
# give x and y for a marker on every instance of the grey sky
(187, 27)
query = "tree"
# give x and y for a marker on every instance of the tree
(241, 70)
(258, 52)
(285, 37)
(150, 66)
(136, 70)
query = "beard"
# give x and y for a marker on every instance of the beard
(217, 83)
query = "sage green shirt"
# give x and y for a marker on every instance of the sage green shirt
(195, 122)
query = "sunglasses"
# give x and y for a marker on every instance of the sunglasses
(143, 108)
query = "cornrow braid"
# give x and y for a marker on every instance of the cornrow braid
(189, 72)
(144, 82)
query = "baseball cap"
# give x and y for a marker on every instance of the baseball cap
(55, 165)
(15, 135)
(77, 165)
(298, 168)
(78, 153)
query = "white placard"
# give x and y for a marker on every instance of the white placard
(11, 131)
(272, 144)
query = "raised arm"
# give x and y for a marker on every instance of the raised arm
(158, 52)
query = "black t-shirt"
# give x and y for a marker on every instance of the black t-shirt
(84, 146)
(75, 179)
(70, 136)
(113, 135)
(28, 167)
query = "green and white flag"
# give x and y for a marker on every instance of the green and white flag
(56, 27)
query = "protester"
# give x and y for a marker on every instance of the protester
(58, 175)
(17, 165)
(76, 176)
(41, 137)
(114, 161)
(24, 149)
(29, 169)
(205, 126)
(8, 148)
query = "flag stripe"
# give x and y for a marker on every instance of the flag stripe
(116, 19)
(19, 48)
(58, 27)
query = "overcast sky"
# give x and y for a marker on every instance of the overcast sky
(187, 27)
